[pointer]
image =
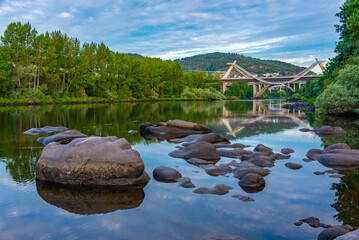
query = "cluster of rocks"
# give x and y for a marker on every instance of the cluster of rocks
(337, 156)
(205, 149)
(330, 232)
(325, 131)
(299, 106)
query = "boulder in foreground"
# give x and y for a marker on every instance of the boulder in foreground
(166, 174)
(104, 161)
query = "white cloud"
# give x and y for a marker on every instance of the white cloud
(65, 15)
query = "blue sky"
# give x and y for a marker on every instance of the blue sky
(294, 31)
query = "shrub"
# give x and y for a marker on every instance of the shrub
(188, 94)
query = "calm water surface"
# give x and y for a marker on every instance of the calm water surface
(163, 210)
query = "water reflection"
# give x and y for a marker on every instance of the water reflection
(260, 117)
(249, 122)
(89, 200)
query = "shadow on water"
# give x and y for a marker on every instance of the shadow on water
(89, 200)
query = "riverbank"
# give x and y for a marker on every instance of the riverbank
(67, 101)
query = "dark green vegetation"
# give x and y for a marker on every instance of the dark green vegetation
(55, 67)
(218, 62)
(337, 92)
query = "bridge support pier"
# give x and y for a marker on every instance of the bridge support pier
(255, 90)
(224, 86)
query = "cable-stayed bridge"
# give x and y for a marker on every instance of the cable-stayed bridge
(261, 84)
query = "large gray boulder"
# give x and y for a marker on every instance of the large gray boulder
(106, 161)
(202, 150)
(337, 146)
(332, 233)
(63, 137)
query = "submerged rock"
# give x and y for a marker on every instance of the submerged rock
(243, 198)
(63, 138)
(279, 156)
(209, 137)
(262, 161)
(214, 170)
(92, 161)
(226, 237)
(218, 189)
(202, 150)
(185, 182)
(332, 233)
(45, 130)
(293, 166)
(187, 125)
(287, 151)
(305, 130)
(199, 162)
(232, 153)
(86, 200)
(263, 149)
(247, 167)
(227, 145)
(166, 174)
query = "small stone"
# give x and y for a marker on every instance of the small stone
(319, 173)
(336, 176)
(293, 166)
(214, 170)
(243, 198)
(166, 174)
(311, 221)
(307, 160)
(299, 223)
(218, 189)
(133, 132)
(287, 151)
(185, 182)
(305, 130)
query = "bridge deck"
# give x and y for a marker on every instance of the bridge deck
(270, 79)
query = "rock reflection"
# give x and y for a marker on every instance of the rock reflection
(89, 200)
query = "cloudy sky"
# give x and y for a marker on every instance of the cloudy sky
(294, 31)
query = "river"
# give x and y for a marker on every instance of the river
(163, 210)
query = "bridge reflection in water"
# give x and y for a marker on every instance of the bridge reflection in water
(273, 113)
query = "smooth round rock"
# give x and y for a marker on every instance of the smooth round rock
(202, 150)
(166, 174)
(293, 166)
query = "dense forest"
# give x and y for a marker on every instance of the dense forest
(218, 62)
(337, 92)
(56, 67)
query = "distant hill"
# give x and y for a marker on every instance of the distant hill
(218, 62)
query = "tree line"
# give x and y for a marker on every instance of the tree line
(337, 92)
(53, 65)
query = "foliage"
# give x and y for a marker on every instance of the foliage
(218, 62)
(59, 66)
(198, 93)
(343, 96)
